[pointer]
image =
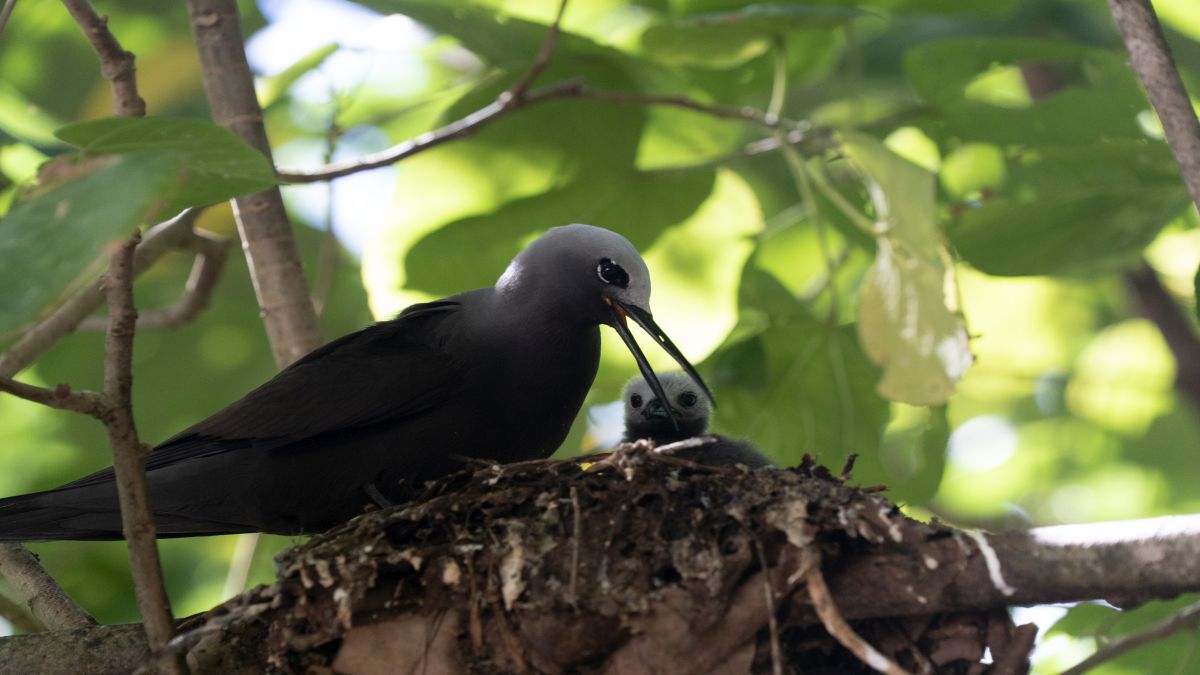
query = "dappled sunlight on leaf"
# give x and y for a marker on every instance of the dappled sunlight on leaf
(1123, 378)
(908, 318)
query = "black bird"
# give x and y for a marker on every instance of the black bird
(496, 373)
(684, 415)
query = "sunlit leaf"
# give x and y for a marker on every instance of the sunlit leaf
(46, 242)
(726, 39)
(908, 320)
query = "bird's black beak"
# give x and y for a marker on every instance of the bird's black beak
(642, 317)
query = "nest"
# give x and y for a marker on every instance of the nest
(640, 562)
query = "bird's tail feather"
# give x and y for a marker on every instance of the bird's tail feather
(33, 517)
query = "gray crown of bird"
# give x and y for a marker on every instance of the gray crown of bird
(495, 373)
(677, 409)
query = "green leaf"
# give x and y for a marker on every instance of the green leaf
(1078, 210)
(271, 89)
(46, 242)
(1098, 97)
(217, 164)
(907, 317)
(793, 384)
(727, 39)
(22, 119)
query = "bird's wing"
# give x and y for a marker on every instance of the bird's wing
(389, 371)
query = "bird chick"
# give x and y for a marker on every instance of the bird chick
(647, 416)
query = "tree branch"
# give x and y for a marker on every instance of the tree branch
(212, 252)
(1185, 619)
(567, 89)
(116, 65)
(47, 600)
(6, 13)
(1151, 59)
(515, 93)
(158, 241)
(1154, 302)
(18, 616)
(61, 397)
(129, 455)
(270, 248)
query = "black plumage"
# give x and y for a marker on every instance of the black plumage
(646, 416)
(496, 373)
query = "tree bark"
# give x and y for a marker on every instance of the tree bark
(263, 224)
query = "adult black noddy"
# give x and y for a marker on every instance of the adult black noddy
(649, 411)
(496, 373)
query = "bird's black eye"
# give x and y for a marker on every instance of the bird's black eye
(687, 399)
(635, 401)
(612, 273)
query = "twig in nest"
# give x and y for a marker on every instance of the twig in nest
(841, 631)
(573, 596)
(769, 592)
(848, 467)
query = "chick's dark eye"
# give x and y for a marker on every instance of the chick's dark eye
(612, 273)
(687, 399)
(635, 401)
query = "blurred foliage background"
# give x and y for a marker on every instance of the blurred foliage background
(1025, 138)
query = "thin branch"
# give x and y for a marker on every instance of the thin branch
(567, 89)
(268, 241)
(466, 126)
(841, 631)
(849, 210)
(1185, 619)
(813, 141)
(515, 93)
(1153, 301)
(6, 12)
(1151, 59)
(61, 397)
(212, 253)
(46, 333)
(327, 253)
(116, 65)
(779, 82)
(18, 617)
(46, 599)
(129, 456)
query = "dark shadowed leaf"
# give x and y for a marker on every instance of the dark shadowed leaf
(46, 242)
(793, 384)
(216, 164)
(1091, 93)
(1072, 210)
